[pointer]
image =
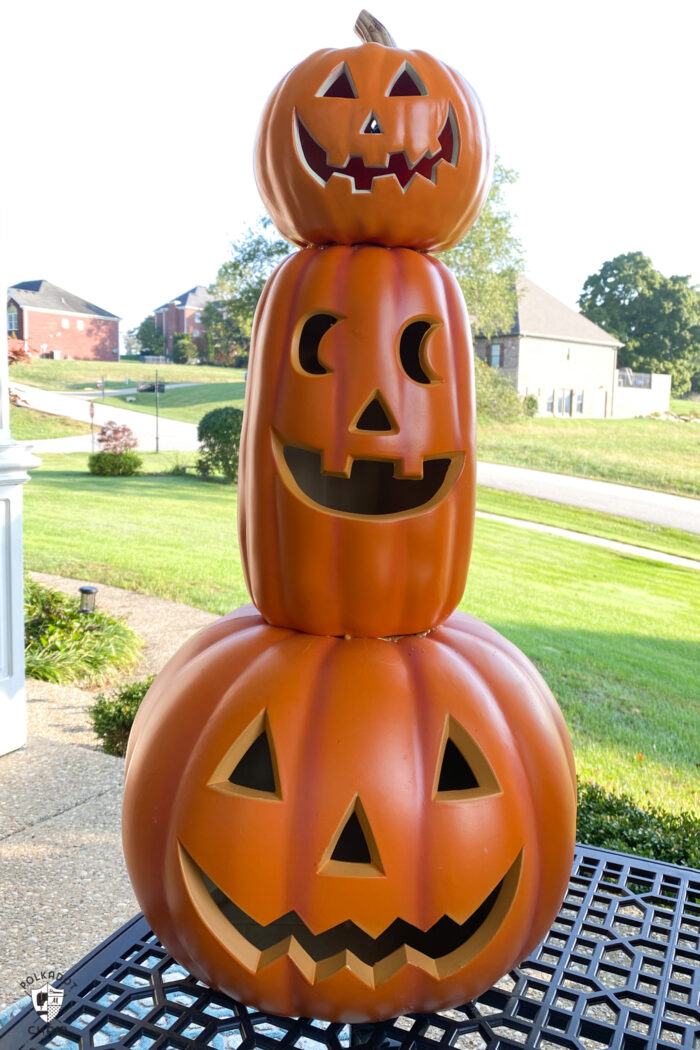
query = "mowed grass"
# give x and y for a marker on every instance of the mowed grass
(26, 424)
(591, 522)
(188, 403)
(84, 375)
(650, 453)
(614, 636)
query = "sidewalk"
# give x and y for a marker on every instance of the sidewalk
(64, 883)
(172, 435)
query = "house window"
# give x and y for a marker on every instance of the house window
(195, 332)
(12, 319)
(65, 323)
(550, 404)
(80, 325)
(198, 318)
(579, 404)
(496, 355)
(564, 403)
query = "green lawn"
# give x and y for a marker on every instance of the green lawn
(686, 406)
(580, 519)
(26, 424)
(615, 636)
(651, 453)
(187, 403)
(84, 375)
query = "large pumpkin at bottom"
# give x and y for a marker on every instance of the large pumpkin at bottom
(358, 460)
(349, 829)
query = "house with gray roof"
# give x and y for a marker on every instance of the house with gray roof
(53, 322)
(183, 314)
(568, 363)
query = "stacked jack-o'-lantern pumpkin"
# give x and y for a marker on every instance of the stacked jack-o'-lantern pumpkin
(355, 802)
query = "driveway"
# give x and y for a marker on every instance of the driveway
(172, 435)
(657, 508)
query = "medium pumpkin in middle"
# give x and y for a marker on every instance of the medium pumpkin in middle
(357, 467)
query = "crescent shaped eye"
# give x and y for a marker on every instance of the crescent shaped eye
(413, 351)
(313, 331)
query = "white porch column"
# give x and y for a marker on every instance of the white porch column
(15, 460)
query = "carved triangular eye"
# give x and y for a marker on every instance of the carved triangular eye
(338, 85)
(463, 770)
(249, 767)
(455, 772)
(255, 769)
(407, 82)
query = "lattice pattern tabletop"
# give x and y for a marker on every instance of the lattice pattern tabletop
(619, 969)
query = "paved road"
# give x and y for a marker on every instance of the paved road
(658, 508)
(172, 435)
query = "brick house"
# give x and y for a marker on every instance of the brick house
(56, 323)
(568, 363)
(183, 314)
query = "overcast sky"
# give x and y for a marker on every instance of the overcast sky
(129, 130)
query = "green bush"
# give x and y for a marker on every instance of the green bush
(617, 822)
(530, 405)
(185, 349)
(496, 398)
(62, 644)
(111, 464)
(219, 436)
(112, 716)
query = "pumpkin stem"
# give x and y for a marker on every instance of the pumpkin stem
(370, 29)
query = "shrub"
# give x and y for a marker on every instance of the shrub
(65, 645)
(116, 438)
(112, 716)
(110, 464)
(617, 822)
(496, 398)
(530, 405)
(219, 436)
(184, 349)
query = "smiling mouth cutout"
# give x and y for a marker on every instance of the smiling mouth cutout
(373, 489)
(440, 951)
(362, 175)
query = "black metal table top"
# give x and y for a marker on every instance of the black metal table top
(620, 968)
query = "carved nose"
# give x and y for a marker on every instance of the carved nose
(374, 417)
(371, 126)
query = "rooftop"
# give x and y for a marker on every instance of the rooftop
(540, 314)
(42, 295)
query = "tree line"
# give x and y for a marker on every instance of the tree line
(656, 318)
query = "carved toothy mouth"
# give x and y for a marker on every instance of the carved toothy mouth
(315, 159)
(441, 950)
(374, 488)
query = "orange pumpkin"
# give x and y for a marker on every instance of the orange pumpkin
(357, 465)
(349, 829)
(373, 144)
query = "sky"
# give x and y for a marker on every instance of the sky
(129, 130)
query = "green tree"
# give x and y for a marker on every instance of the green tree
(239, 283)
(150, 339)
(487, 261)
(185, 349)
(656, 317)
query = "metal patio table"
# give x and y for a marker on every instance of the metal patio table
(620, 968)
